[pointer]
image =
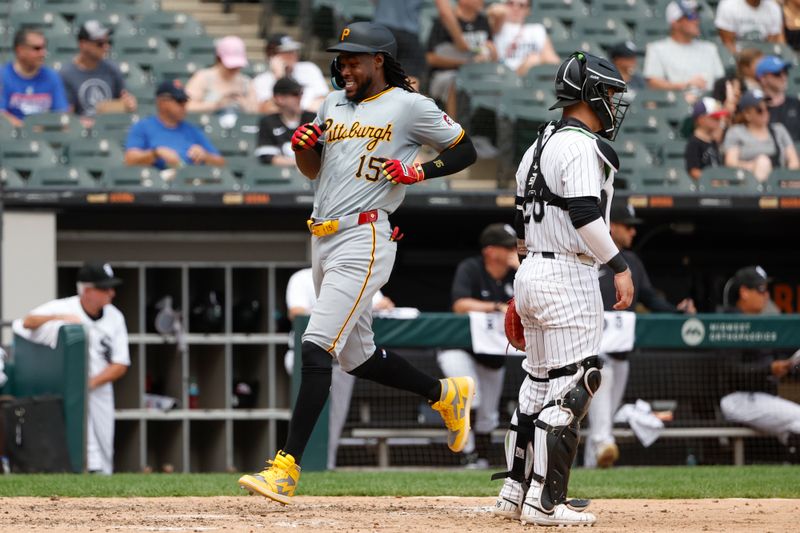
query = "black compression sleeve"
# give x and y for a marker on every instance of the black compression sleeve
(582, 210)
(618, 264)
(451, 160)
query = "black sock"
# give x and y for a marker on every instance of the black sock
(483, 445)
(390, 369)
(315, 385)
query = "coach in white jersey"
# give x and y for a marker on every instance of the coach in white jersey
(107, 337)
(564, 186)
(360, 149)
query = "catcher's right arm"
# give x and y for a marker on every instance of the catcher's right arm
(515, 333)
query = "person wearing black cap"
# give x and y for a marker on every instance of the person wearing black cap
(275, 130)
(109, 359)
(601, 449)
(483, 283)
(625, 56)
(165, 139)
(749, 377)
(91, 79)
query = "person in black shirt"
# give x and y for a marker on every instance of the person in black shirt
(275, 130)
(772, 73)
(750, 378)
(702, 148)
(601, 449)
(483, 283)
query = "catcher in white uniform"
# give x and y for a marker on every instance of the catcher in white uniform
(109, 357)
(564, 187)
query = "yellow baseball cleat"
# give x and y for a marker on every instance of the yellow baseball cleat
(454, 406)
(277, 482)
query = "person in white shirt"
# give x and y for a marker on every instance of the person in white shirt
(520, 45)
(109, 358)
(682, 62)
(300, 299)
(749, 20)
(284, 60)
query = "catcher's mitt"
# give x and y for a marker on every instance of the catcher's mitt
(515, 333)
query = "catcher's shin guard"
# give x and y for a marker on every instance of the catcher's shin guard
(519, 448)
(562, 440)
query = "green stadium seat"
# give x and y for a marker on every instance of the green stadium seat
(204, 178)
(234, 147)
(132, 8)
(566, 12)
(62, 177)
(49, 23)
(239, 164)
(170, 25)
(729, 181)
(54, 128)
(191, 45)
(650, 30)
(67, 8)
(632, 12)
(781, 50)
(471, 72)
(134, 75)
(672, 152)
(605, 31)
(141, 50)
(258, 177)
(133, 178)
(62, 45)
(59, 61)
(566, 47)
(121, 24)
(661, 180)
(114, 125)
(784, 182)
(11, 179)
(650, 129)
(173, 69)
(633, 157)
(24, 155)
(8, 131)
(541, 76)
(556, 29)
(96, 155)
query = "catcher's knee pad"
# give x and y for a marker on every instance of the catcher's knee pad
(315, 359)
(587, 381)
(519, 448)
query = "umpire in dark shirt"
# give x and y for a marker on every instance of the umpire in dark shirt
(275, 130)
(483, 283)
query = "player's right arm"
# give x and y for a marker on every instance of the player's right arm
(35, 321)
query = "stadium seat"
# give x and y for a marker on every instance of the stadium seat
(556, 29)
(134, 75)
(661, 180)
(649, 30)
(54, 128)
(170, 25)
(132, 8)
(204, 178)
(540, 76)
(121, 24)
(11, 179)
(194, 45)
(647, 128)
(132, 178)
(234, 147)
(672, 152)
(260, 177)
(141, 50)
(50, 24)
(566, 12)
(61, 177)
(62, 45)
(784, 182)
(96, 155)
(66, 8)
(631, 12)
(605, 31)
(173, 69)
(114, 126)
(725, 180)
(565, 48)
(239, 164)
(633, 157)
(24, 155)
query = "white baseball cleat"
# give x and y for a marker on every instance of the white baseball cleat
(560, 516)
(509, 503)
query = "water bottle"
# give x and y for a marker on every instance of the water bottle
(194, 393)
(5, 465)
(691, 460)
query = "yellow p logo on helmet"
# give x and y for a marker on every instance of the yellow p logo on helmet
(345, 33)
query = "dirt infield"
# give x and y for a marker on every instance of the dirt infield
(402, 515)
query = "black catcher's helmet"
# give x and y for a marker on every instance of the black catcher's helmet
(587, 78)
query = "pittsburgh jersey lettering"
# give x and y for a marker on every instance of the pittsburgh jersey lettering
(338, 131)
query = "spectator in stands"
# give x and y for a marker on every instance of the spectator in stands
(520, 45)
(625, 56)
(791, 23)
(682, 61)
(93, 83)
(223, 87)
(107, 346)
(29, 87)
(772, 73)
(444, 58)
(300, 299)
(750, 378)
(275, 130)
(483, 283)
(749, 20)
(755, 144)
(729, 88)
(283, 55)
(165, 139)
(601, 449)
(402, 17)
(702, 149)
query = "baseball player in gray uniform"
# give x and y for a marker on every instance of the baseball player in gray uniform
(360, 149)
(564, 186)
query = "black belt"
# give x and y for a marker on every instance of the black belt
(582, 258)
(548, 255)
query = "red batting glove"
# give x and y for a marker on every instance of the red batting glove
(398, 172)
(306, 136)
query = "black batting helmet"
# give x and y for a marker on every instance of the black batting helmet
(366, 38)
(587, 78)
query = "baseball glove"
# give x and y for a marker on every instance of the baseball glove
(515, 333)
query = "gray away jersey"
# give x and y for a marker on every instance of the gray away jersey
(572, 167)
(393, 124)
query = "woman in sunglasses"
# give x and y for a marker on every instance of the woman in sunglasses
(754, 143)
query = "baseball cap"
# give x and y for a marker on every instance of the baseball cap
(753, 277)
(771, 65)
(93, 30)
(624, 49)
(708, 106)
(752, 99)
(231, 52)
(623, 213)
(679, 9)
(98, 274)
(498, 235)
(281, 42)
(287, 85)
(172, 88)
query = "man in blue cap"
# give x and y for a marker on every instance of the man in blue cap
(772, 73)
(165, 139)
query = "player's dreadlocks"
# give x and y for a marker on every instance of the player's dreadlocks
(395, 75)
